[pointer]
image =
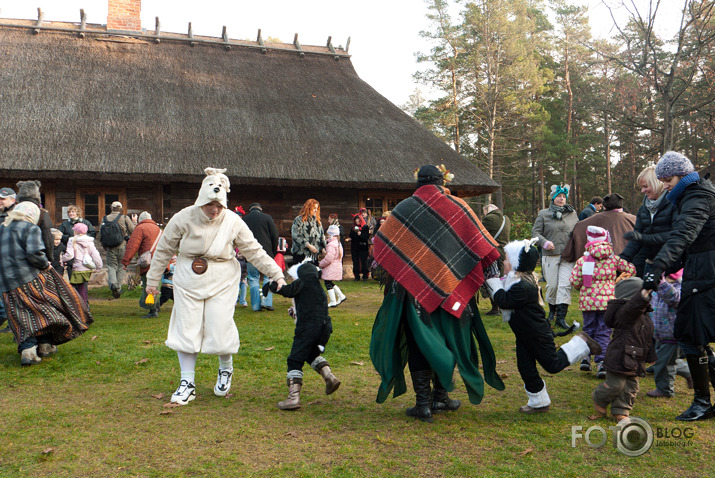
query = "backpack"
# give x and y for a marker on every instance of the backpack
(111, 233)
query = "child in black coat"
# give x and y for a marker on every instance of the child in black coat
(518, 296)
(312, 331)
(630, 347)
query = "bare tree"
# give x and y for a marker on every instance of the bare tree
(670, 68)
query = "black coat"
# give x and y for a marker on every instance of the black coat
(655, 232)
(263, 229)
(692, 240)
(632, 340)
(359, 239)
(528, 320)
(311, 302)
(67, 231)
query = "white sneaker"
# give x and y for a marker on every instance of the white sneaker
(223, 383)
(185, 393)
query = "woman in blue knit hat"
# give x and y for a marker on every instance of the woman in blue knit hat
(553, 227)
(692, 241)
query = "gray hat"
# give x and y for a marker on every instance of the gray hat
(627, 287)
(7, 193)
(256, 206)
(673, 164)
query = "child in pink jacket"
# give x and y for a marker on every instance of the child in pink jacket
(332, 266)
(80, 246)
(595, 276)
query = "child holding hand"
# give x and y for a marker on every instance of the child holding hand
(518, 296)
(630, 347)
(312, 331)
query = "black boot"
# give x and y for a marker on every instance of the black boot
(440, 400)
(700, 409)
(495, 309)
(561, 311)
(552, 313)
(421, 383)
(711, 367)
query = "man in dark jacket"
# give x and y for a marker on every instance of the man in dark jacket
(613, 219)
(499, 226)
(593, 207)
(115, 272)
(266, 233)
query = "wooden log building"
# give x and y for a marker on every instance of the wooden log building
(101, 113)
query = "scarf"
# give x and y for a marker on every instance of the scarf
(684, 182)
(652, 205)
(435, 247)
(559, 211)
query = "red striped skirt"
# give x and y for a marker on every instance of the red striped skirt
(46, 306)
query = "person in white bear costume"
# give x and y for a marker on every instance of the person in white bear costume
(206, 281)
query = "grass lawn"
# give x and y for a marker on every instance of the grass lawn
(96, 408)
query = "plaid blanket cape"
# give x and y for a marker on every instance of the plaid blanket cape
(435, 247)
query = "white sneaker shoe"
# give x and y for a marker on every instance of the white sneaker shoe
(185, 393)
(223, 383)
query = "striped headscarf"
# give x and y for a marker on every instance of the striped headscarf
(23, 211)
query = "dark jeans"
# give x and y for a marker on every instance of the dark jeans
(32, 341)
(360, 265)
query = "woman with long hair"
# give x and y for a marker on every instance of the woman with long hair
(307, 232)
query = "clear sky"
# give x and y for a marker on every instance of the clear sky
(384, 33)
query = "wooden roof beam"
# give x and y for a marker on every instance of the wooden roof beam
(82, 22)
(332, 49)
(259, 40)
(190, 34)
(40, 18)
(157, 30)
(224, 37)
(301, 53)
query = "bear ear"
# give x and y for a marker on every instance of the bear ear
(214, 171)
(553, 188)
(39, 184)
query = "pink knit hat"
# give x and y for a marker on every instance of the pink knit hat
(80, 228)
(676, 276)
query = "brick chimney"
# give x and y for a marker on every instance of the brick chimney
(124, 15)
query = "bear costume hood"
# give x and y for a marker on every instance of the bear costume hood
(215, 187)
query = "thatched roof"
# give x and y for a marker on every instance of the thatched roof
(108, 106)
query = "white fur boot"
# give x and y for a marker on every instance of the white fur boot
(539, 402)
(339, 294)
(331, 295)
(580, 347)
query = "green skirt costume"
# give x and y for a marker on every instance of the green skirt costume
(444, 341)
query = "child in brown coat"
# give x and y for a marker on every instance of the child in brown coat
(630, 347)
